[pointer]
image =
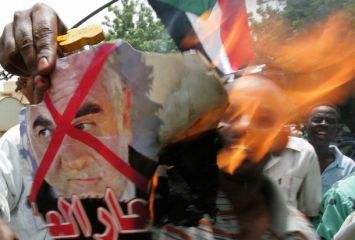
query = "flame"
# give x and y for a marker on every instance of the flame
(256, 117)
(318, 67)
(319, 64)
(154, 182)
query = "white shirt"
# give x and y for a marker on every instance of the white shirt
(15, 185)
(296, 171)
(347, 229)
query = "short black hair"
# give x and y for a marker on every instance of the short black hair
(327, 104)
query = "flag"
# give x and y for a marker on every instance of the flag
(218, 28)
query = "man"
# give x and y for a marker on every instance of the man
(296, 172)
(249, 205)
(321, 129)
(233, 181)
(253, 129)
(103, 126)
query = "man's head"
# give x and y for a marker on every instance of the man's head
(104, 114)
(253, 124)
(322, 125)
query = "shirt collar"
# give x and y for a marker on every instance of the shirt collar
(338, 157)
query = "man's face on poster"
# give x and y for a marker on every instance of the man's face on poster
(77, 168)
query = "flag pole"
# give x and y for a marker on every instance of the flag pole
(93, 13)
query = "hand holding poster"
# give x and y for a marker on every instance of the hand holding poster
(96, 135)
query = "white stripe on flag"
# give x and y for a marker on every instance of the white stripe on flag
(208, 32)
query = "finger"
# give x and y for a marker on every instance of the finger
(41, 84)
(22, 30)
(10, 59)
(45, 30)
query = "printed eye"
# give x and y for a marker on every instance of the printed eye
(45, 132)
(84, 126)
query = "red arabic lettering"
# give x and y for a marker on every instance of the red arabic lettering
(72, 217)
(81, 217)
(59, 227)
(111, 231)
(135, 220)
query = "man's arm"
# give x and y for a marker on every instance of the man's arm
(11, 182)
(10, 179)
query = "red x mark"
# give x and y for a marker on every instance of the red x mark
(64, 128)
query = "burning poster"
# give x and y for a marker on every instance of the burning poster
(95, 137)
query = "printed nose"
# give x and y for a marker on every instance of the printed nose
(72, 157)
(77, 163)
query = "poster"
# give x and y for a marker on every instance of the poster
(94, 139)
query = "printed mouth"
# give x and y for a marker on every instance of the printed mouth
(84, 181)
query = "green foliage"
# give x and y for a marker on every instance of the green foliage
(300, 13)
(278, 21)
(303, 12)
(275, 25)
(135, 23)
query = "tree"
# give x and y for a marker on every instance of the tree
(277, 26)
(135, 22)
(300, 13)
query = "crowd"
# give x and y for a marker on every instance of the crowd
(253, 180)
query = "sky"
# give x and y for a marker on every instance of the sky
(70, 11)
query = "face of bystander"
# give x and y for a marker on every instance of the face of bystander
(322, 126)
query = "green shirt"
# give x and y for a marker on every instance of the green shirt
(337, 203)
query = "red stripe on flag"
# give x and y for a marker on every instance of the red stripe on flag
(235, 33)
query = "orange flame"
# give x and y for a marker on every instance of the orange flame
(318, 66)
(255, 118)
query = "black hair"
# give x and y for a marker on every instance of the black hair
(326, 104)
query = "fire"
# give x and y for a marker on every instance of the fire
(254, 122)
(318, 66)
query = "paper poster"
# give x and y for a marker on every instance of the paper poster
(95, 137)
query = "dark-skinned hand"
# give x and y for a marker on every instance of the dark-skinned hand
(28, 45)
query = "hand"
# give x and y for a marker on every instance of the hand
(28, 45)
(5, 232)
